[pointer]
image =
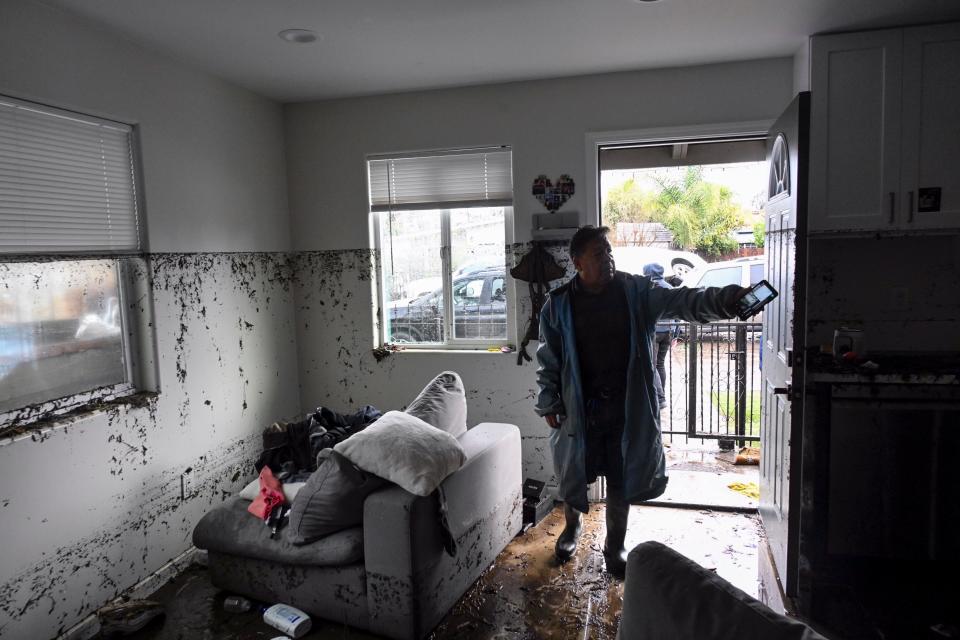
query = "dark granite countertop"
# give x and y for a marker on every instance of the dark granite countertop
(887, 369)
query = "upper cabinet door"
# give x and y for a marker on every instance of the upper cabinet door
(930, 178)
(855, 131)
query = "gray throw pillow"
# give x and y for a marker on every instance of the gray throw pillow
(442, 404)
(332, 499)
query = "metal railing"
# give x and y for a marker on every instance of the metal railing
(712, 384)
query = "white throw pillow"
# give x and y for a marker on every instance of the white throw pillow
(405, 450)
(290, 490)
(443, 404)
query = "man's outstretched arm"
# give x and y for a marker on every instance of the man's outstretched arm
(696, 305)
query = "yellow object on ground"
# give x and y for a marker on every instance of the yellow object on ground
(749, 489)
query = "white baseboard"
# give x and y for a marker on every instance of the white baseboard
(90, 626)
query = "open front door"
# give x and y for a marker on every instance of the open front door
(783, 325)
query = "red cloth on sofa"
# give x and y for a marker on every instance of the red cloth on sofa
(270, 496)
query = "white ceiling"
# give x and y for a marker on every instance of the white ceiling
(382, 46)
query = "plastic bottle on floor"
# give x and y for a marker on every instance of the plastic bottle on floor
(236, 604)
(291, 621)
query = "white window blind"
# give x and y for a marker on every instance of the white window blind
(66, 182)
(481, 177)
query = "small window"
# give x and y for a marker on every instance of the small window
(442, 222)
(720, 277)
(69, 243)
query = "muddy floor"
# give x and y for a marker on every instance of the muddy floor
(525, 594)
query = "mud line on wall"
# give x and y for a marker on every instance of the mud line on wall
(197, 291)
(333, 307)
(193, 278)
(41, 584)
(321, 279)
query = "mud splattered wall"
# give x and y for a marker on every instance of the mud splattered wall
(334, 316)
(907, 302)
(93, 506)
(545, 123)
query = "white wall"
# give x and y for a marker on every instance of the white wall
(801, 68)
(212, 153)
(546, 124)
(90, 508)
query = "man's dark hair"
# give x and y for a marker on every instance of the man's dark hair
(584, 236)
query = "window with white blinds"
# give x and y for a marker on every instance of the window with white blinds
(478, 177)
(66, 183)
(441, 232)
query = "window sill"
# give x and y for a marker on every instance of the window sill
(385, 351)
(36, 426)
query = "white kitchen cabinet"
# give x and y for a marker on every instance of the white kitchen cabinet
(885, 130)
(930, 174)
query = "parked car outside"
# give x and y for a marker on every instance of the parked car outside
(742, 271)
(479, 311)
(416, 289)
(674, 263)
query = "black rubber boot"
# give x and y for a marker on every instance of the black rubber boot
(614, 553)
(567, 540)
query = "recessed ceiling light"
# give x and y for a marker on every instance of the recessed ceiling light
(645, 1)
(298, 36)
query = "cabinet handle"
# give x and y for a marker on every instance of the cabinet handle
(910, 202)
(893, 209)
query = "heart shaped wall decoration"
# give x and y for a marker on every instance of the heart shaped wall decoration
(552, 196)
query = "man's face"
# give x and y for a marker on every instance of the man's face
(595, 265)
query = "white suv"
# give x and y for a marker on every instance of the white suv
(742, 271)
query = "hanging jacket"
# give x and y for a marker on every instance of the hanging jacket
(644, 465)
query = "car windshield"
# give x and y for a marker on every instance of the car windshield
(720, 277)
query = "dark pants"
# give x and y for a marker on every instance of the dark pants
(605, 421)
(662, 343)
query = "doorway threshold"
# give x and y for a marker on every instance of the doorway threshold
(703, 477)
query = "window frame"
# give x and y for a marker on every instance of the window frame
(134, 292)
(451, 343)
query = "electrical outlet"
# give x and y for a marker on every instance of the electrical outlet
(186, 484)
(900, 298)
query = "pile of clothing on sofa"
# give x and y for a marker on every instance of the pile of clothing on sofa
(316, 472)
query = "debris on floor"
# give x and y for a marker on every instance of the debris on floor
(749, 489)
(525, 594)
(748, 455)
(126, 618)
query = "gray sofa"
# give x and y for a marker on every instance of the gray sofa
(667, 596)
(391, 576)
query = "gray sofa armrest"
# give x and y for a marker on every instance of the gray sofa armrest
(411, 581)
(670, 597)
